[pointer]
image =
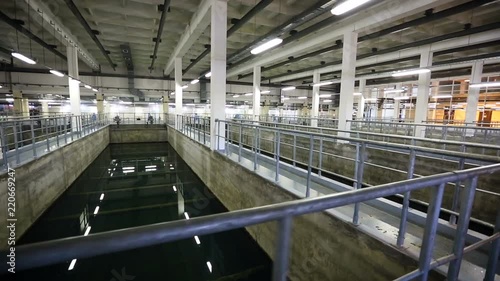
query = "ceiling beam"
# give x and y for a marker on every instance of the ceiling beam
(66, 38)
(199, 22)
(89, 30)
(166, 7)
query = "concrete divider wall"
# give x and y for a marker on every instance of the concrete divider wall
(40, 182)
(485, 205)
(323, 247)
(137, 133)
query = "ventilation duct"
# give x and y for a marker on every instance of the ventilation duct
(127, 58)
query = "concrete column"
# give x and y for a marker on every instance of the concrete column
(100, 104)
(45, 108)
(256, 92)
(18, 101)
(26, 108)
(424, 80)
(218, 69)
(315, 99)
(463, 87)
(397, 103)
(361, 103)
(178, 87)
(473, 96)
(347, 80)
(74, 85)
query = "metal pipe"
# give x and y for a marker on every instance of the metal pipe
(166, 6)
(89, 30)
(280, 265)
(406, 201)
(51, 252)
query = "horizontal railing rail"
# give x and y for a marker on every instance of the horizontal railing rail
(62, 250)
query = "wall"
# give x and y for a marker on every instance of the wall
(40, 182)
(137, 133)
(323, 247)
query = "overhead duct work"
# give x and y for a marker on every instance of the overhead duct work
(127, 57)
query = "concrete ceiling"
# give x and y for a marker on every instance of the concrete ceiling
(136, 22)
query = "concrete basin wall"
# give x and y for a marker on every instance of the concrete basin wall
(137, 133)
(323, 247)
(41, 181)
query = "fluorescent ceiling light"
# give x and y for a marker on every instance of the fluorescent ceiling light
(442, 97)
(401, 98)
(197, 240)
(411, 72)
(249, 94)
(347, 6)
(195, 81)
(174, 188)
(96, 210)
(322, 84)
(184, 87)
(72, 264)
(23, 58)
(263, 92)
(208, 75)
(285, 98)
(371, 99)
(151, 170)
(87, 86)
(95, 90)
(1, 86)
(302, 98)
(357, 94)
(209, 265)
(325, 96)
(266, 46)
(327, 101)
(9, 99)
(236, 96)
(56, 73)
(487, 84)
(151, 166)
(102, 197)
(186, 215)
(393, 91)
(87, 231)
(288, 88)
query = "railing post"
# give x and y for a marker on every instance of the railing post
(320, 153)
(491, 268)
(57, 130)
(294, 149)
(277, 152)
(309, 168)
(16, 145)
(5, 147)
(358, 176)
(456, 195)
(240, 145)
(65, 126)
(462, 226)
(406, 201)
(431, 225)
(280, 266)
(256, 144)
(33, 140)
(228, 136)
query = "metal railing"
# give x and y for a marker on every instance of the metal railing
(25, 139)
(137, 118)
(56, 251)
(459, 146)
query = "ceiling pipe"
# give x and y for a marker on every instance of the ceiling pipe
(166, 6)
(254, 11)
(432, 40)
(423, 20)
(89, 30)
(13, 23)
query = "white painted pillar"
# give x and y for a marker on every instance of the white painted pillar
(473, 96)
(424, 80)
(397, 102)
(218, 69)
(349, 52)
(45, 108)
(178, 90)
(315, 99)
(361, 103)
(26, 108)
(256, 92)
(100, 104)
(74, 85)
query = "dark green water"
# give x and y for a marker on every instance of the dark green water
(136, 183)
